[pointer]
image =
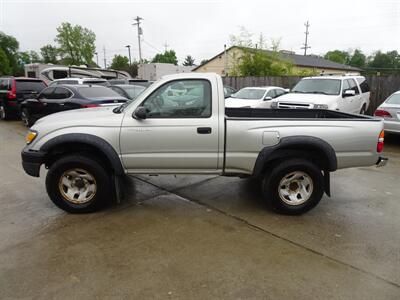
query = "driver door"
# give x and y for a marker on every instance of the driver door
(180, 133)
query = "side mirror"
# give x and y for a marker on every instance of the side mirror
(287, 90)
(349, 93)
(140, 113)
(267, 98)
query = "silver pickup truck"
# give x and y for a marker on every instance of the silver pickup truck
(179, 125)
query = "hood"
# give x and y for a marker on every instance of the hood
(238, 102)
(96, 116)
(307, 98)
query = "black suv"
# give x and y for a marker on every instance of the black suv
(14, 90)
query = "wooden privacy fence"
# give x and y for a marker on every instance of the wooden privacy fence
(381, 86)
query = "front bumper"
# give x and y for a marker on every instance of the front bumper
(32, 160)
(382, 161)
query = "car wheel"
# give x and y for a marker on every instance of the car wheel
(78, 184)
(26, 118)
(293, 186)
(363, 110)
(4, 115)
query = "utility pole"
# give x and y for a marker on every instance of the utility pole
(166, 46)
(129, 52)
(225, 61)
(105, 60)
(140, 32)
(306, 41)
(97, 59)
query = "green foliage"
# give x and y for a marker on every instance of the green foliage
(168, 57)
(5, 68)
(261, 63)
(49, 54)
(358, 59)
(120, 62)
(9, 46)
(76, 44)
(341, 57)
(385, 63)
(189, 61)
(204, 61)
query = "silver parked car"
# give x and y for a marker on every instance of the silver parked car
(389, 110)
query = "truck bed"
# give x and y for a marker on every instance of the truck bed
(291, 114)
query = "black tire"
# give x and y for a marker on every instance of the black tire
(363, 109)
(4, 113)
(26, 117)
(271, 186)
(102, 180)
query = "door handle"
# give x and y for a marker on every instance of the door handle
(203, 130)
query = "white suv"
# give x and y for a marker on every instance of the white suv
(347, 93)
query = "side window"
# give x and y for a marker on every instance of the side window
(61, 93)
(3, 84)
(271, 93)
(47, 93)
(279, 92)
(180, 99)
(363, 84)
(345, 86)
(353, 86)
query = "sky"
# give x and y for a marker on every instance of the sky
(200, 28)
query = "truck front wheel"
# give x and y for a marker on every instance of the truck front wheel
(78, 184)
(293, 186)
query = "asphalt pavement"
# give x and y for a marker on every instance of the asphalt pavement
(200, 237)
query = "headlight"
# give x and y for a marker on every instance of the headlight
(30, 136)
(320, 106)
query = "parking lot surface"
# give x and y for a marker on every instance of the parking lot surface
(199, 237)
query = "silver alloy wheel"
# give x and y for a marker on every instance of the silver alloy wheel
(295, 188)
(77, 186)
(2, 112)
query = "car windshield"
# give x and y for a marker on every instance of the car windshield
(134, 91)
(318, 86)
(97, 92)
(394, 99)
(30, 86)
(249, 94)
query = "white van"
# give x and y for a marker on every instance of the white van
(347, 93)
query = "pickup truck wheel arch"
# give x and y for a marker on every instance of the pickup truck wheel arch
(92, 141)
(297, 146)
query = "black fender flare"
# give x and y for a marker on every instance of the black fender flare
(91, 140)
(295, 143)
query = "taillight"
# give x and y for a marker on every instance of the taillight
(89, 105)
(382, 113)
(381, 141)
(12, 94)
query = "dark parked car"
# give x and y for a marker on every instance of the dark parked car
(129, 91)
(66, 97)
(14, 90)
(141, 82)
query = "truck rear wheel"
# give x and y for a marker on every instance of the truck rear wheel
(293, 186)
(78, 184)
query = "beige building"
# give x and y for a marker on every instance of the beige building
(222, 64)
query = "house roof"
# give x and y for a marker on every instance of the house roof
(301, 60)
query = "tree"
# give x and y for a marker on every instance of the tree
(358, 59)
(34, 57)
(9, 46)
(120, 62)
(385, 63)
(76, 44)
(5, 68)
(168, 57)
(341, 57)
(49, 54)
(243, 39)
(189, 61)
(204, 61)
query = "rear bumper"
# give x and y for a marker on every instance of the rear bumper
(382, 161)
(31, 161)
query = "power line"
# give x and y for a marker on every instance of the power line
(150, 45)
(306, 41)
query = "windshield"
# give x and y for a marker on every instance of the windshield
(249, 94)
(318, 86)
(97, 92)
(134, 91)
(394, 99)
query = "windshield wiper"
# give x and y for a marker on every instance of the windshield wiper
(121, 108)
